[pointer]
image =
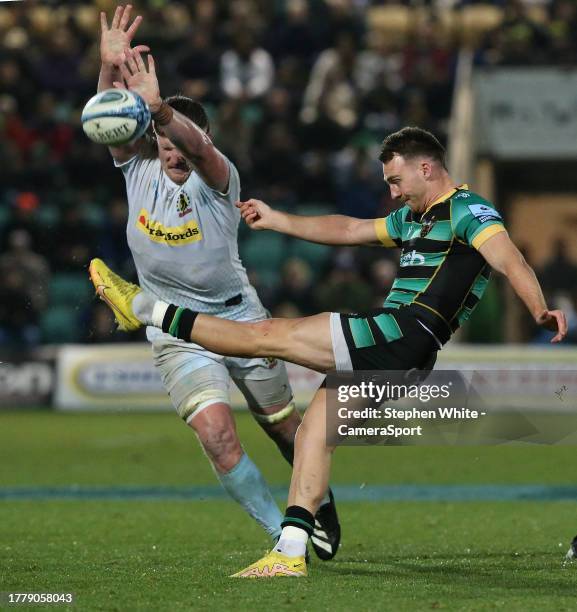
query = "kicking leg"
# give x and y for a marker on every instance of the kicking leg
(306, 341)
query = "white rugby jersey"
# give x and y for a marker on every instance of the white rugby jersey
(183, 239)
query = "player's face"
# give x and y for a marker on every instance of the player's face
(406, 180)
(173, 162)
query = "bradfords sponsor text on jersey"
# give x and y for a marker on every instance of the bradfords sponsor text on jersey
(172, 236)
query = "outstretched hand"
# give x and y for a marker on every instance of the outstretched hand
(137, 78)
(115, 40)
(256, 214)
(555, 321)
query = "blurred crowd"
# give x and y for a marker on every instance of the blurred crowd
(300, 94)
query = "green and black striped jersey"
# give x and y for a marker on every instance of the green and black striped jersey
(442, 276)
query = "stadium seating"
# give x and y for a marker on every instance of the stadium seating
(263, 251)
(70, 289)
(60, 324)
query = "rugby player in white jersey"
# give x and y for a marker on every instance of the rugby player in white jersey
(182, 232)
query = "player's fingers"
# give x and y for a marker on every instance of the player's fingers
(131, 61)
(125, 17)
(139, 61)
(561, 322)
(119, 85)
(125, 72)
(103, 22)
(151, 66)
(142, 49)
(557, 338)
(132, 29)
(117, 15)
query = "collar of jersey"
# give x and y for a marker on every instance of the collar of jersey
(446, 196)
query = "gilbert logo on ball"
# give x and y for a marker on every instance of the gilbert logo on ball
(115, 117)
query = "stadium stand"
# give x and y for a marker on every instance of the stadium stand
(294, 134)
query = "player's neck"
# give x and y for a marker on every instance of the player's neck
(439, 191)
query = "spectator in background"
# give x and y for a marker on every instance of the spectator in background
(24, 210)
(279, 160)
(293, 33)
(99, 326)
(382, 274)
(517, 41)
(233, 134)
(316, 183)
(75, 246)
(18, 321)
(57, 68)
(562, 31)
(111, 241)
(343, 290)
(330, 101)
(559, 274)
(15, 81)
(23, 291)
(360, 192)
(198, 67)
(246, 70)
(296, 289)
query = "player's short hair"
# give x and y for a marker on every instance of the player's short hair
(191, 109)
(411, 142)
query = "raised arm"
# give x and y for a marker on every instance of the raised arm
(505, 257)
(183, 133)
(325, 229)
(114, 44)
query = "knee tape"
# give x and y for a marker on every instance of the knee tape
(199, 389)
(197, 402)
(278, 417)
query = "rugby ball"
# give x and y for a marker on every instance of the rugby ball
(115, 117)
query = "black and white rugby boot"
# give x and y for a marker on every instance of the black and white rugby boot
(572, 552)
(326, 536)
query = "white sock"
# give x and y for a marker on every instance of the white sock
(148, 309)
(292, 542)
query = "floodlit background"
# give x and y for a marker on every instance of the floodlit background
(300, 95)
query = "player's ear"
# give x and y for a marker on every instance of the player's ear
(426, 169)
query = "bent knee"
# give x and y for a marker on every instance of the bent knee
(217, 434)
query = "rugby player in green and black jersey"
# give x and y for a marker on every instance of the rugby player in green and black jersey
(450, 238)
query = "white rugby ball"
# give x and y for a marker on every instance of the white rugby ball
(115, 117)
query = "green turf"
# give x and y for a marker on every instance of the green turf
(175, 555)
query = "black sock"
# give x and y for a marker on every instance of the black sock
(297, 516)
(179, 322)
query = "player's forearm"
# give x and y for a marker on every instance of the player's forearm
(108, 74)
(525, 284)
(186, 136)
(325, 229)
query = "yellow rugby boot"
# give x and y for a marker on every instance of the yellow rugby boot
(275, 565)
(116, 292)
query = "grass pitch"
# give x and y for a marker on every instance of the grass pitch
(166, 554)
